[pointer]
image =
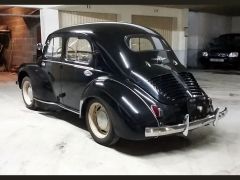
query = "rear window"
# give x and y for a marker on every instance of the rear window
(138, 43)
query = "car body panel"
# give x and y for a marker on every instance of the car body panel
(132, 112)
(40, 80)
(129, 83)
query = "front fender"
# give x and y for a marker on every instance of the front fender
(130, 111)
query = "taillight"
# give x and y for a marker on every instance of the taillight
(156, 110)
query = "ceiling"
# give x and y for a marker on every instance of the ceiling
(231, 9)
(227, 10)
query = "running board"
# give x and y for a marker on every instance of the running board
(56, 104)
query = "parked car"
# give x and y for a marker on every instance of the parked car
(223, 50)
(124, 79)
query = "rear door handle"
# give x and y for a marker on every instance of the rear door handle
(43, 64)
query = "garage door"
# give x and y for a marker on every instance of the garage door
(163, 25)
(69, 18)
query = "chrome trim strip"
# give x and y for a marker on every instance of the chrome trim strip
(74, 65)
(80, 108)
(181, 128)
(217, 117)
(56, 104)
(186, 122)
(84, 63)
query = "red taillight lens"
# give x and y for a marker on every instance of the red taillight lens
(156, 110)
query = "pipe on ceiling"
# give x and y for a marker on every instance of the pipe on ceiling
(21, 15)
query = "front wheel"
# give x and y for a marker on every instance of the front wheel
(27, 93)
(98, 120)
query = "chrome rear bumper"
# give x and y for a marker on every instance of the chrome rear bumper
(186, 125)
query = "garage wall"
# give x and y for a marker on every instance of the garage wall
(202, 28)
(236, 24)
(22, 47)
(49, 20)
(69, 18)
(125, 12)
(163, 25)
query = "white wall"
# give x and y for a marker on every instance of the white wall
(236, 24)
(49, 21)
(202, 28)
(125, 13)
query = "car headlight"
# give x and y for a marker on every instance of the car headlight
(233, 54)
(205, 54)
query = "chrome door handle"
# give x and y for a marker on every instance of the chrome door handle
(88, 73)
(43, 64)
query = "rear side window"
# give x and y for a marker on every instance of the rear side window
(138, 43)
(54, 49)
(78, 50)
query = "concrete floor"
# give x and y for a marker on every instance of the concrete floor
(34, 142)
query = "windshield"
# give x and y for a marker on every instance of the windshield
(226, 40)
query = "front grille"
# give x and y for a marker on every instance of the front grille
(218, 54)
(170, 88)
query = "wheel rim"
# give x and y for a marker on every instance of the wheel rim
(98, 120)
(27, 92)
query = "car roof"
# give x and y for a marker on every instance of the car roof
(230, 34)
(109, 28)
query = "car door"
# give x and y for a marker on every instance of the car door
(51, 63)
(77, 70)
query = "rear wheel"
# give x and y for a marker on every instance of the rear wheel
(27, 93)
(98, 120)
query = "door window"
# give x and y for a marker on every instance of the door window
(78, 50)
(54, 49)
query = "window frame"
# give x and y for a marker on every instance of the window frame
(165, 45)
(79, 37)
(47, 46)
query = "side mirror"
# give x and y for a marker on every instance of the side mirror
(39, 47)
(39, 50)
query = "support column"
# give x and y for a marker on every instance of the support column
(49, 21)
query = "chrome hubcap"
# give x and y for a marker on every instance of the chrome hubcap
(98, 120)
(27, 92)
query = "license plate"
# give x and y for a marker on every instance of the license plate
(216, 60)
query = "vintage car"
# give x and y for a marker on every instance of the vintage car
(222, 51)
(123, 79)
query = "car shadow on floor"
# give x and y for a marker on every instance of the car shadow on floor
(66, 116)
(227, 71)
(165, 144)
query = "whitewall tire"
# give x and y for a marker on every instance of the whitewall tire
(27, 93)
(99, 124)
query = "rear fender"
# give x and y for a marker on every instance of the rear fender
(130, 111)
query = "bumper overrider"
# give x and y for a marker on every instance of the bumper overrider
(186, 125)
